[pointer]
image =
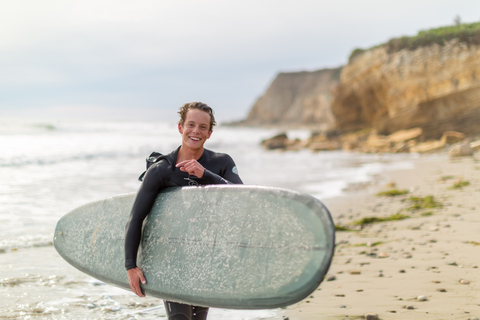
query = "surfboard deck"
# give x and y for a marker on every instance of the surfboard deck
(225, 246)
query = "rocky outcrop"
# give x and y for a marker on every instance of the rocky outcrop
(410, 94)
(368, 141)
(297, 99)
(436, 88)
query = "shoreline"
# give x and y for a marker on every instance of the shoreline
(422, 267)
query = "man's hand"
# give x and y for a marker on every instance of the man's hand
(135, 276)
(192, 167)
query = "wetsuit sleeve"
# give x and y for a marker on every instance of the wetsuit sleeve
(229, 174)
(142, 205)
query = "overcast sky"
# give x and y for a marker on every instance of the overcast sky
(137, 60)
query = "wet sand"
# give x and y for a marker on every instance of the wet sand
(421, 267)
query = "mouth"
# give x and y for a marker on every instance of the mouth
(194, 139)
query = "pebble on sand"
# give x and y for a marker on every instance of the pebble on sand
(422, 298)
(331, 278)
(463, 281)
(371, 316)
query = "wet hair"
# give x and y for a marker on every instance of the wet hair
(199, 106)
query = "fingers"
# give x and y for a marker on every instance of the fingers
(187, 164)
(135, 276)
(142, 277)
(182, 163)
(192, 167)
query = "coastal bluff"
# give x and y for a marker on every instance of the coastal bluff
(430, 81)
(436, 88)
(297, 99)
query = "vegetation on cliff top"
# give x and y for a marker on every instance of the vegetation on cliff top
(468, 33)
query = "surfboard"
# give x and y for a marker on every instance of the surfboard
(224, 246)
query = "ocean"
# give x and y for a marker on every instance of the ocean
(50, 168)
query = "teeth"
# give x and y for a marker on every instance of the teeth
(195, 139)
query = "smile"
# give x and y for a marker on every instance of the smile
(195, 139)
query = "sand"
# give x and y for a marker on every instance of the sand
(422, 267)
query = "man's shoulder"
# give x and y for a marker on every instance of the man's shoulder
(163, 165)
(212, 155)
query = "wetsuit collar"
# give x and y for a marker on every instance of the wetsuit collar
(172, 157)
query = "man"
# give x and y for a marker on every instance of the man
(189, 164)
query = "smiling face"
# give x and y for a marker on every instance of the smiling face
(195, 130)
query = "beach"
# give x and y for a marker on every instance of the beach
(50, 168)
(421, 267)
(382, 268)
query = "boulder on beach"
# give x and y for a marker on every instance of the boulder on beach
(461, 149)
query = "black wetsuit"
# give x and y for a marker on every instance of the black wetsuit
(219, 169)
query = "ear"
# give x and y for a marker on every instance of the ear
(209, 134)
(180, 128)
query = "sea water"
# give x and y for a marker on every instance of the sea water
(50, 168)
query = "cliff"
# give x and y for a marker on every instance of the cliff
(297, 99)
(429, 81)
(435, 87)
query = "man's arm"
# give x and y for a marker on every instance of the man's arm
(142, 205)
(228, 169)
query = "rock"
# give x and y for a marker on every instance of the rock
(351, 141)
(355, 272)
(463, 281)
(325, 146)
(331, 278)
(297, 98)
(475, 145)
(461, 149)
(442, 290)
(405, 135)
(377, 143)
(428, 146)
(317, 137)
(349, 145)
(280, 141)
(371, 316)
(422, 298)
(400, 147)
(429, 87)
(451, 137)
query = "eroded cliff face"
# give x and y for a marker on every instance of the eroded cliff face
(436, 88)
(297, 99)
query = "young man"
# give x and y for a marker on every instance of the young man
(189, 164)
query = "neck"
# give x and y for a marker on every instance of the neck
(188, 154)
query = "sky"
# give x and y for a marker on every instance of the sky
(141, 60)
